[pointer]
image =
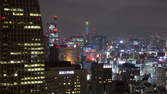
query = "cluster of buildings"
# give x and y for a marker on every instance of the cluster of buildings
(27, 66)
(142, 62)
(33, 62)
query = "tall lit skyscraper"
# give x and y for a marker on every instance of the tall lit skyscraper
(21, 48)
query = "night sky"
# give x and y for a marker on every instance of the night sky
(114, 18)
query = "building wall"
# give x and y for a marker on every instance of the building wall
(99, 41)
(101, 78)
(166, 80)
(160, 75)
(21, 47)
(66, 81)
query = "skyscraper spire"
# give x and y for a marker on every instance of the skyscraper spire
(87, 26)
(87, 31)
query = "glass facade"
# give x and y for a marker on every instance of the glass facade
(21, 48)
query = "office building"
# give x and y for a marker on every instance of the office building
(101, 78)
(100, 42)
(53, 55)
(52, 32)
(166, 80)
(21, 48)
(66, 80)
(160, 74)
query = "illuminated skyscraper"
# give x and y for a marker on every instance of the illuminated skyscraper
(21, 48)
(52, 32)
(87, 31)
(52, 35)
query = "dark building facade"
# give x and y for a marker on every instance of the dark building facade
(53, 54)
(21, 48)
(99, 42)
(101, 78)
(66, 80)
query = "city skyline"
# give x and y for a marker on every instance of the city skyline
(119, 18)
(55, 52)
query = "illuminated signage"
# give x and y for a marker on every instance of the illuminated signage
(107, 66)
(65, 72)
(121, 62)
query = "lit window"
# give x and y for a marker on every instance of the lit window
(35, 14)
(16, 53)
(32, 44)
(18, 14)
(4, 75)
(5, 26)
(32, 27)
(15, 74)
(6, 9)
(3, 62)
(16, 62)
(36, 69)
(14, 9)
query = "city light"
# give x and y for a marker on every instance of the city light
(66, 72)
(121, 41)
(107, 66)
(97, 47)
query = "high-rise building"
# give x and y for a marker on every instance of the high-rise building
(101, 78)
(53, 55)
(166, 80)
(66, 80)
(160, 76)
(21, 48)
(52, 32)
(100, 42)
(52, 40)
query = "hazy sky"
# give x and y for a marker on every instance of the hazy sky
(114, 18)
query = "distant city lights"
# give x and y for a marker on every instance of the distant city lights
(122, 51)
(121, 41)
(121, 62)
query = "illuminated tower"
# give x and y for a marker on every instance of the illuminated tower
(21, 48)
(53, 32)
(87, 31)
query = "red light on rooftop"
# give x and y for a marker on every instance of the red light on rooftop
(57, 46)
(90, 58)
(38, 19)
(55, 30)
(2, 18)
(55, 17)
